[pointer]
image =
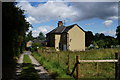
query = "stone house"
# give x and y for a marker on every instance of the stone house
(66, 38)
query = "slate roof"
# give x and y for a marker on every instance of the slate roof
(58, 29)
(63, 29)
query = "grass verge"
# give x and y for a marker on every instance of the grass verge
(54, 68)
(28, 72)
(55, 62)
(26, 59)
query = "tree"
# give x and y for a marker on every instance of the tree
(101, 36)
(14, 27)
(29, 36)
(100, 43)
(88, 38)
(104, 41)
(41, 36)
(118, 34)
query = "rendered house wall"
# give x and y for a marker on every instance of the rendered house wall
(76, 39)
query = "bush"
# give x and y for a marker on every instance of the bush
(36, 45)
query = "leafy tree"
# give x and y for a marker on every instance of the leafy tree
(13, 32)
(41, 36)
(118, 34)
(104, 41)
(29, 36)
(101, 36)
(96, 37)
(100, 43)
(88, 38)
(95, 44)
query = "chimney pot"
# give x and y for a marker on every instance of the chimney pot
(60, 23)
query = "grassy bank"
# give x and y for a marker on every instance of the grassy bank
(55, 69)
(56, 62)
(28, 72)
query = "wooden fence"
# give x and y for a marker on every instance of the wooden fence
(78, 61)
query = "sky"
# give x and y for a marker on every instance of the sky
(98, 17)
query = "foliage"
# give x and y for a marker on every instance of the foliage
(88, 38)
(105, 41)
(41, 36)
(100, 43)
(36, 45)
(118, 33)
(95, 45)
(55, 62)
(99, 40)
(14, 29)
(29, 36)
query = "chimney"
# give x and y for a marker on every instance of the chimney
(60, 23)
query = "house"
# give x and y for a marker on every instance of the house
(66, 38)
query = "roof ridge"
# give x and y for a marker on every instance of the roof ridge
(71, 25)
(63, 29)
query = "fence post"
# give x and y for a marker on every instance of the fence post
(68, 65)
(118, 65)
(58, 57)
(78, 67)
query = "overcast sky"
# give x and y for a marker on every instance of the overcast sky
(98, 17)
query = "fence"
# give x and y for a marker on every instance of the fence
(78, 61)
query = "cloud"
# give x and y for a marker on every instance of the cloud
(48, 11)
(90, 24)
(43, 29)
(114, 17)
(71, 12)
(108, 23)
(99, 10)
(109, 32)
(30, 28)
(31, 19)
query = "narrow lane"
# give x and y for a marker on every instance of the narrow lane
(19, 66)
(41, 71)
(43, 74)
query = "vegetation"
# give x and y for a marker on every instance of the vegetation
(36, 45)
(41, 36)
(28, 72)
(55, 69)
(56, 63)
(88, 38)
(14, 27)
(99, 40)
(38, 42)
(118, 33)
(26, 59)
(29, 37)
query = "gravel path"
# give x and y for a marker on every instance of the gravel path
(43, 74)
(19, 66)
(41, 71)
(20, 60)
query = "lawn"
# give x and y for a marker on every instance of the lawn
(28, 71)
(56, 63)
(26, 59)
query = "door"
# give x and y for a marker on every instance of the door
(64, 47)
